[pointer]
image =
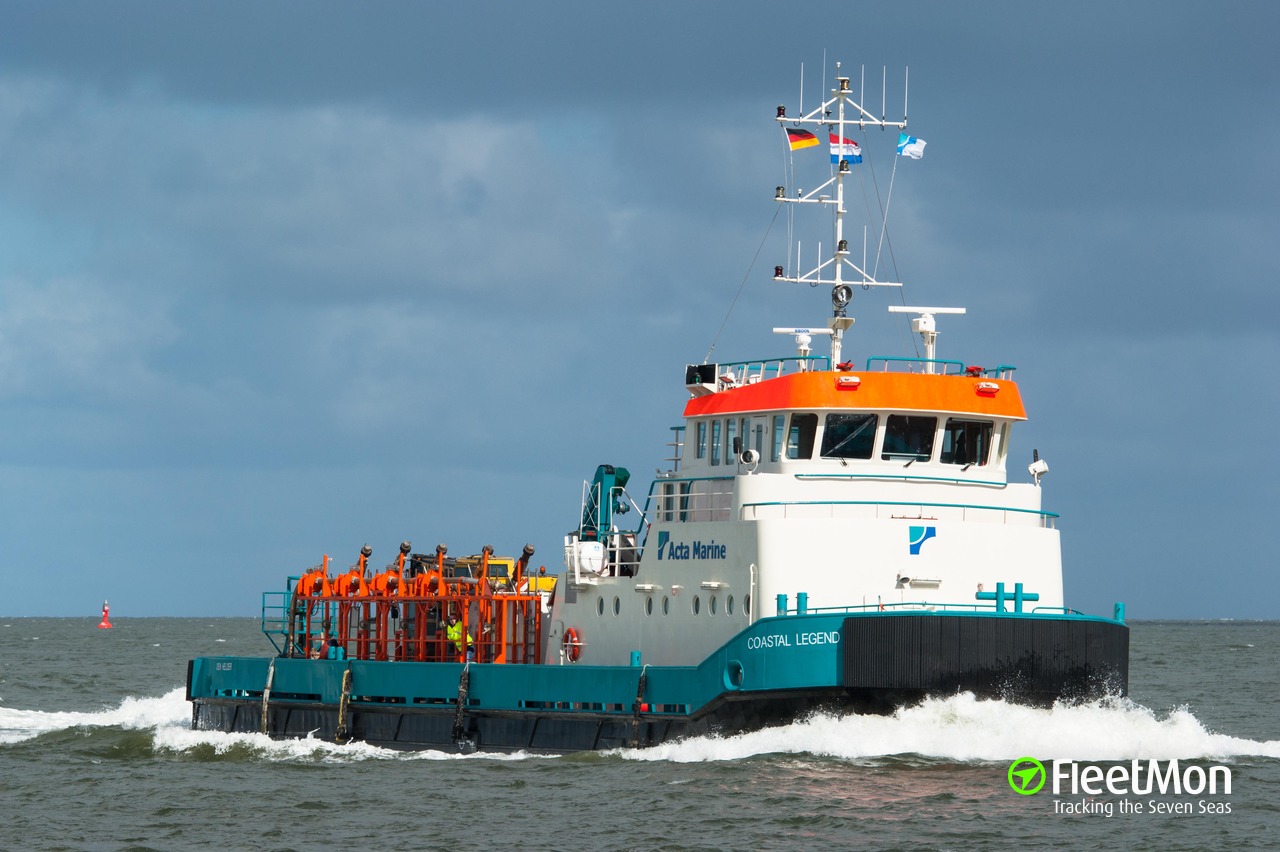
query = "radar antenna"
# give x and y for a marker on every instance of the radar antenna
(926, 326)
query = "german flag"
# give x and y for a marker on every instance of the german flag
(798, 139)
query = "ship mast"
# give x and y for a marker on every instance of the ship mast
(831, 271)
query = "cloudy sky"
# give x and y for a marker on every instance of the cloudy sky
(280, 279)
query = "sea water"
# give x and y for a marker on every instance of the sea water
(96, 752)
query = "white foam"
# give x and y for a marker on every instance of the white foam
(171, 708)
(308, 748)
(956, 729)
(180, 739)
(962, 728)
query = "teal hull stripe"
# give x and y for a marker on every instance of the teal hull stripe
(1042, 514)
(996, 483)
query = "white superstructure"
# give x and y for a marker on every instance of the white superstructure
(878, 488)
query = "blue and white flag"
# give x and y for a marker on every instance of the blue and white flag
(910, 146)
(844, 149)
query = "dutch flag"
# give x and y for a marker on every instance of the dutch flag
(844, 149)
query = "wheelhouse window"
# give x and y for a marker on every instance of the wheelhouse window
(715, 442)
(849, 436)
(730, 430)
(966, 442)
(700, 439)
(779, 426)
(800, 437)
(909, 437)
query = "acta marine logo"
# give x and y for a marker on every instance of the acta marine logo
(668, 549)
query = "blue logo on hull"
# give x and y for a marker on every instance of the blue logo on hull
(919, 535)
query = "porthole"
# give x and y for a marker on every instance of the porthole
(746, 604)
(617, 605)
(728, 605)
(648, 606)
(666, 605)
(697, 604)
(600, 606)
(713, 604)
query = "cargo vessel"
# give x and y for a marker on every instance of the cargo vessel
(831, 535)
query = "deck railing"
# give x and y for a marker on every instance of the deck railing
(734, 373)
(941, 366)
(751, 511)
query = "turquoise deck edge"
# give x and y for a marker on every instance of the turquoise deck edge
(775, 653)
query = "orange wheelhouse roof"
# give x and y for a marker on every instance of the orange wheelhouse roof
(867, 390)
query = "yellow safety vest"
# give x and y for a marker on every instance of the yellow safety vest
(453, 633)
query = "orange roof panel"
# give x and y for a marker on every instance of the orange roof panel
(875, 391)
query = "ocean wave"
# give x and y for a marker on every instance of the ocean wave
(169, 719)
(18, 725)
(964, 729)
(960, 728)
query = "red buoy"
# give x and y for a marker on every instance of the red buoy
(106, 616)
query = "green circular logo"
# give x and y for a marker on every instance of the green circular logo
(1026, 776)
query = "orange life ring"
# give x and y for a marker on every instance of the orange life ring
(572, 644)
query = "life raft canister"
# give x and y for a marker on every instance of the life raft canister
(572, 644)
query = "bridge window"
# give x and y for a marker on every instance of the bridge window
(715, 442)
(779, 426)
(700, 439)
(800, 439)
(966, 442)
(849, 436)
(909, 437)
(730, 430)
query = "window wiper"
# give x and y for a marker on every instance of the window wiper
(855, 433)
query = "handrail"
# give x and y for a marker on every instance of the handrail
(889, 474)
(944, 363)
(1043, 514)
(928, 606)
(778, 365)
(276, 626)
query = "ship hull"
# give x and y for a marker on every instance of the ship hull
(776, 671)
